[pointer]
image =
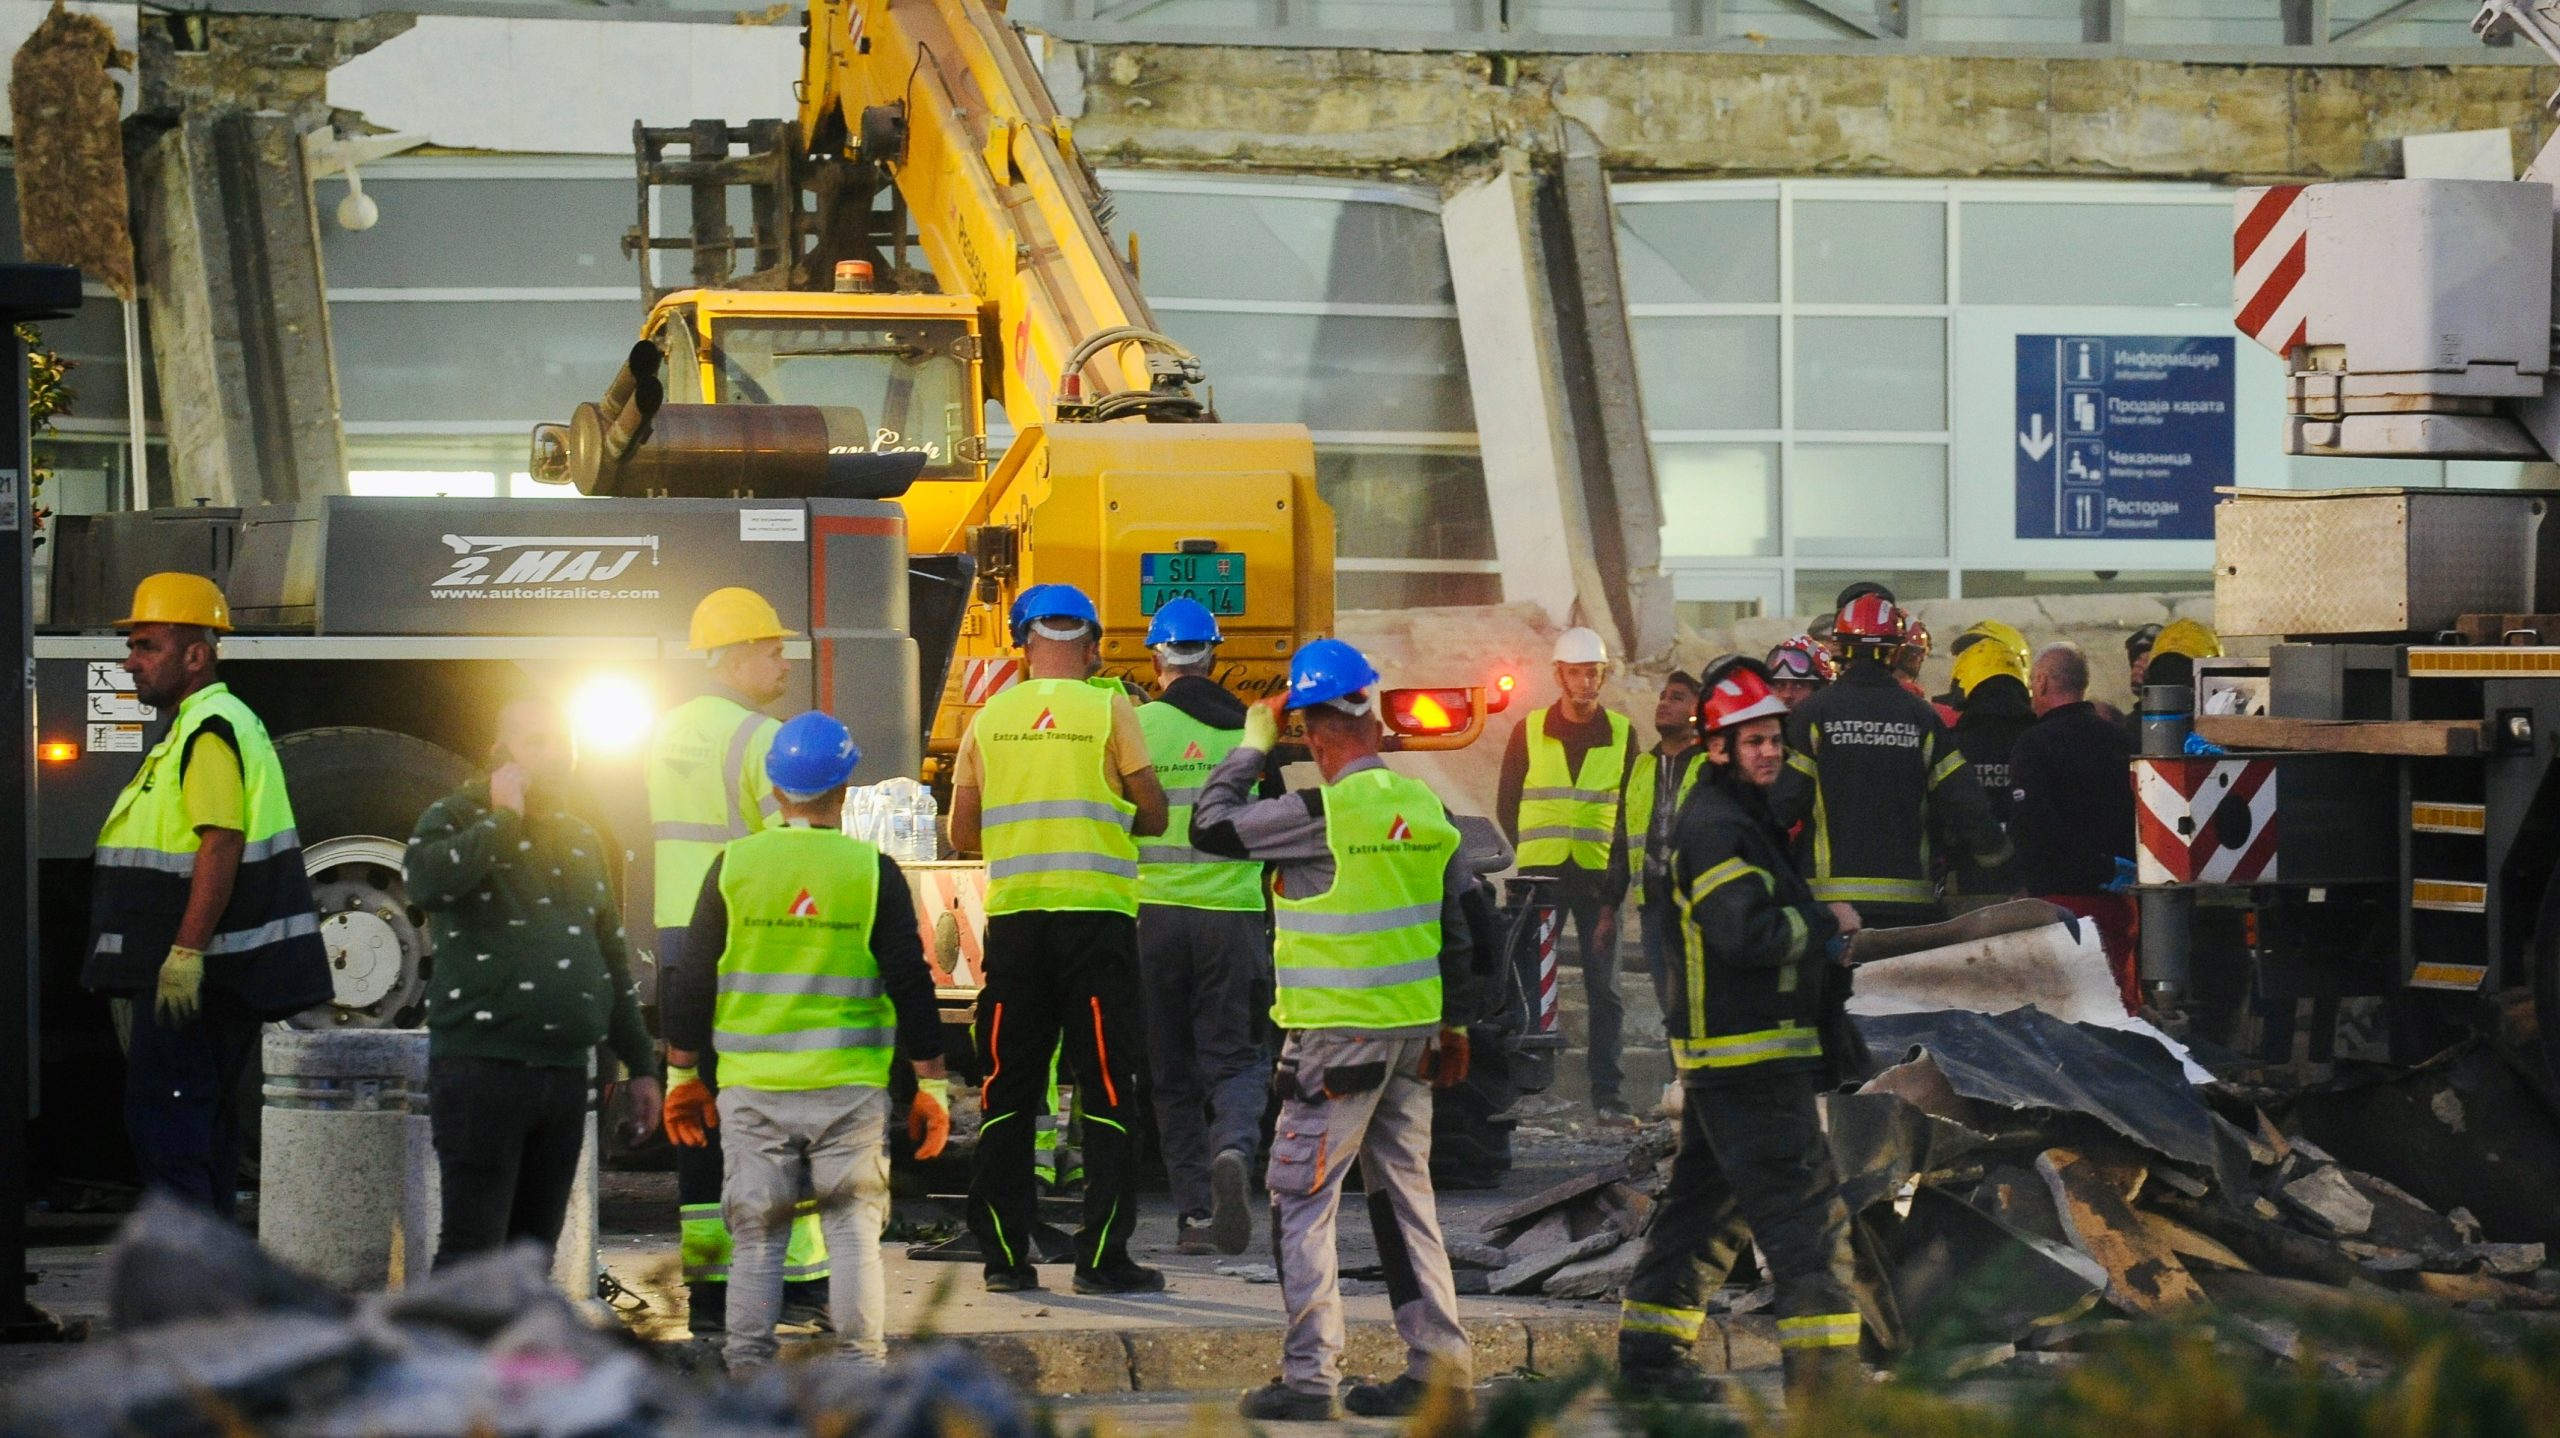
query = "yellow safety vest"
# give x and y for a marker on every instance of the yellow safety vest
(800, 1004)
(1365, 953)
(1170, 871)
(706, 788)
(1565, 817)
(1641, 784)
(1056, 836)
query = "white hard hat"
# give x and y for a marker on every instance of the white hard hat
(1580, 646)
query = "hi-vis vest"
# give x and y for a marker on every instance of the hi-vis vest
(1365, 953)
(1170, 871)
(266, 947)
(1055, 835)
(706, 788)
(1565, 817)
(1642, 782)
(801, 1005)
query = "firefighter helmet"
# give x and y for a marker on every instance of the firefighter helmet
(1872, 619)
(1804, 659)
(1987, 661)
(1737, 692)
(2187, 637)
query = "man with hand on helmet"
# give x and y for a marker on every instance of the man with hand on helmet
(811, 981)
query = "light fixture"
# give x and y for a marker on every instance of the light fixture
(611, 713)
(58, 751)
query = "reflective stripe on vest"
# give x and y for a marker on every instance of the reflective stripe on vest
(1055, 835)
(800, 1001)
(1568, 817)
(706, 788)
(1170, 871)
(1642, 783)
(1365, 954)
(1701, 1050)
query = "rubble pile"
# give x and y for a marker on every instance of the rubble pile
(213, 1337)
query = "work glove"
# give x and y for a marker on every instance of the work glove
(929, 1117)
(181, 995)
(2200, 747)
(2122, 883)
(1261, 726)
(1444, 1062)
(690, 1114)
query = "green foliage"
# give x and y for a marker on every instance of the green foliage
(49, 394)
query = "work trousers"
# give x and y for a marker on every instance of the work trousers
(181, 1097)
(831, 1142)
(1053, 976)
(1206, 984)
(1346, 1093)
(1752, 1165)
(508, 1136)
(1578, 896)
(1658, 925)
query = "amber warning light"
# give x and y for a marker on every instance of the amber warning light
(1500, 699)
(58, 751)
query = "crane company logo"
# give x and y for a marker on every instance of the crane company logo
(543, 566)
(1046, 721)
(804, 907)
(1399, 831)
(1193, 750)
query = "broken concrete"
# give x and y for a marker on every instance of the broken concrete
(1526, 1274)
(2325, 1195)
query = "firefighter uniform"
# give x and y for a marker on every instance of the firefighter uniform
(1878, 785)
(1995, 710)
(706, 789)
(1746, 1025)
(1565, 829)
(1657, 785)
(264, 962)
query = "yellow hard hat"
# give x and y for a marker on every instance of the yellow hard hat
(2185, 636)
(2007, 636)
(172, 597)
(1982, 661)
(734, 615)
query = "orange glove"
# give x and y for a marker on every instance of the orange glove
(929, 1117)
(690, 1115)
(1444, 1064)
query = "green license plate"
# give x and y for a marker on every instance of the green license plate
(1215, 580)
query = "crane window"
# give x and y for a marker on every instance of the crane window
(907, 384)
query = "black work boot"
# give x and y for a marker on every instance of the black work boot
(1230, 1201)
(1021, 1278)
(1277, 1402)
(1403, 1396)
(1814, 1371)
(1654, 1369)
(706, 1307)
(1119, 1276)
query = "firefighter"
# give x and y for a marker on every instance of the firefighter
(1759, 966)
(1204, 947)
(2173, 655)
(1656, 787)
(1876, 781)
(1054, 784)
(810, 979)
(1991, 694)
(1563, 780)
(707, 787)
(1800, 666)
(1370, 936)
(1979, 632)
(201, 926)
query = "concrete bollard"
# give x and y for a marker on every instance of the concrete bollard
(340, 1194)
(573, 1263)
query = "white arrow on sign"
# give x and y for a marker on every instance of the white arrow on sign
(2035, 441)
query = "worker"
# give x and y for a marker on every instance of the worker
(2137, 656)
(1912, 658)
(1759, 969)
(1204, 947)
(810, 981)
(1878, 784)
(707, 787)
(1994, 709)
(508, 876)
(201, 925)
(2173, 655)
(1657, 785)
(1978, 632)
(1053, 782)
(2072, 810)
(1371, 937)
(1563, 780)
(1799, 666)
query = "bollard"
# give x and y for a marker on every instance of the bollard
(340, 1194)
(574, 1262)
(2168, 915)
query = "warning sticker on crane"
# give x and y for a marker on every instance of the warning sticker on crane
(2205, 821)
(2270, 247)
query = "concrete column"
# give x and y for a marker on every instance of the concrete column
(573, 1261)
(338, 1186)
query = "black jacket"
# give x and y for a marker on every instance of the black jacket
(1995, 714)
(1876, 781)
(1746, 994)
(2071, 801)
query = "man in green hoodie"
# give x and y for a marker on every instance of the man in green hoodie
(531, 974)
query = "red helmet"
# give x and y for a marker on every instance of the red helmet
(1872, 619)
(1737, 692)
(1804, 659)
(1917, 638)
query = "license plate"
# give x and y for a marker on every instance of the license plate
(1215, 580)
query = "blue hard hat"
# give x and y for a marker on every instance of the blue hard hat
(1050, 601)
(811, 754)
(1184, 621)
(1328, 669)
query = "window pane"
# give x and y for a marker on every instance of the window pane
(1781, 20)
(1817, 589)
(1650, 18)
(91, 338)
(1220, 243)
(2024, 22)
(1406, 504)
(481, 233)
(1857, 373)
(1333, 372)
(1421, 17)
(2097, 254)
(1717, 499)
(1888, 499)
(1699, 251)
(2203, 22)
(477, 360)
(1708, 371)
(1369, 589)
(1868, 252)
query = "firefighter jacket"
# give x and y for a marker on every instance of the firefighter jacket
(1995, 714)
(1877, 783)
(1750, 990)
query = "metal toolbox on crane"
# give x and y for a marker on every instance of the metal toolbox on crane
(2379, 561)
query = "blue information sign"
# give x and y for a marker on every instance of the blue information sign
(2122, 436)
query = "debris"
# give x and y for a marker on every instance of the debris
(1549, 1230)
(2267, 1246)
(2144, 1275)
(2189, 1244)
(1249, 1272)
(1600, 1276)
(1961, 1275)
(2446, 1105)
(2330, 1200)
(2483, 1288)
(2502, 1164)
(173, 1260)
(1527, 1273)
(1547, 1199)
(1463, 1254)
(2504, 1258)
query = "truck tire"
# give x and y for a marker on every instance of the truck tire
(357, 794)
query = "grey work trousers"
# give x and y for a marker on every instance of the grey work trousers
(776, 1146)
(1204, 983)
(1344, 1093)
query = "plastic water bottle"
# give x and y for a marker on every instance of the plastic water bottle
(927, 814)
